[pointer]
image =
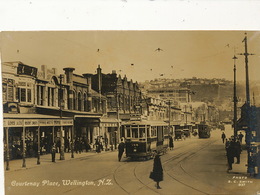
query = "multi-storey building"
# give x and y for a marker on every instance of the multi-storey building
(41, 107)
(123, 96)
(172, 93)
(123, 100)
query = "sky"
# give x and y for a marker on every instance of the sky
(181, 54)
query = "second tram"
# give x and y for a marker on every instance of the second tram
(203, 131)
(145, 138)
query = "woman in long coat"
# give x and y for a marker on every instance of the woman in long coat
(157, 174)
(171, 143)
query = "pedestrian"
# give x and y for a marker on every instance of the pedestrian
(238, 150)
(58, 145)
(97, 143)
(227, 144)
(53, 152)
(121, 149)
(157, 173)
(230, 154)
(81, 144)
(87, 146)
(66, 144)
(223, 136)
(171, 143)
(240, 137)
(76, 144)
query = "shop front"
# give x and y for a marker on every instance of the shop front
(111, 136)
(32, 134)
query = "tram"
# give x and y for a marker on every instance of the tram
(144, 138)
(203, 131)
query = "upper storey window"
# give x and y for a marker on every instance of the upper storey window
(24, 92)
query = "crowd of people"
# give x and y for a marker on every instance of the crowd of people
(233, 148)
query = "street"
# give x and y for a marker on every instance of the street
(195, 166)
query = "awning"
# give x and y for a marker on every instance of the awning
(87, 116)
(87, 120)
(35, 120)
(109, 122)
(242, 124)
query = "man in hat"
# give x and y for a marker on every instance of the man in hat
(121, 149)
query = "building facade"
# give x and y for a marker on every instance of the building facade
(42, 108)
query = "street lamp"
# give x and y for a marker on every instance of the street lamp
(62, 157)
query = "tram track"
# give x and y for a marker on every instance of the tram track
(127, 165)
(147, 185)
(179, 163)
(144, 185)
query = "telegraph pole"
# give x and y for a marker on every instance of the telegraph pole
(250, 167)
(246, 54)
(170, 116)
(235, 98)
(62, 157)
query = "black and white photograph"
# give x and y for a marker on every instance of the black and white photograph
(130, 111)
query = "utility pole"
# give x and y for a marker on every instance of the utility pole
(170, 116)
(62, 157)
(250, 167)
(235, 98)
(99, 87)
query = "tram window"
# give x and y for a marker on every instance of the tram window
(166, 130)
(141, 131)
(128, 134)
(153, 131)
(134, 132)
(148, 131)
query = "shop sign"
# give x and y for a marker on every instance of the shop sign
(30, 123)
(108, 125)
(46, 123)
(57, 122)
(13, 123)
(34, 123)
(67, 122)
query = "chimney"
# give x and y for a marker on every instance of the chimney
(99, 74)
(69, 74)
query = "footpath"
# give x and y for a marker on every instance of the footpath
(237, 180)
(46, 159)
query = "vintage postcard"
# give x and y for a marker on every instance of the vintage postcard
(130, 111)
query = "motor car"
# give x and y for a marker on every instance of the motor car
(179, 134)
(186, 132)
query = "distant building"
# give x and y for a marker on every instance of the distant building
(172, 93)
(122, 95)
